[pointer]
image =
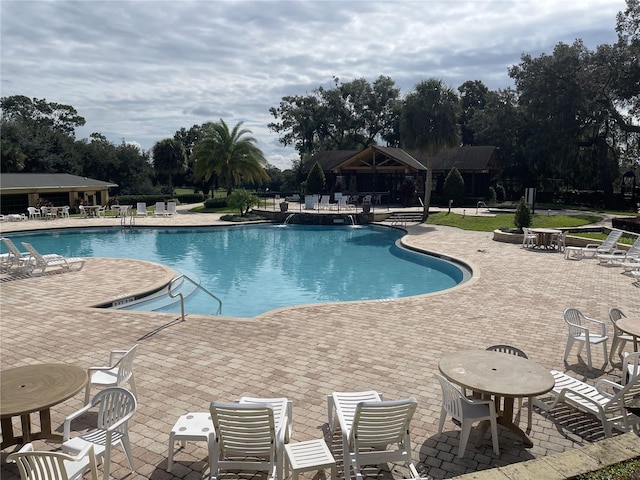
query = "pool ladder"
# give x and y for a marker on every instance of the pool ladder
(186, 277)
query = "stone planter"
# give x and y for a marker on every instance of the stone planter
(284, 206)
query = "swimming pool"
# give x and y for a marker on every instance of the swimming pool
(257, 268)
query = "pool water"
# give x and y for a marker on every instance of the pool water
(257, 268)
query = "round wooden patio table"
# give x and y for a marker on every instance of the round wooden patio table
(500, 374)
(35, 388)
(631, 326)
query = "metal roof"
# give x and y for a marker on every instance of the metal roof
(20, 181)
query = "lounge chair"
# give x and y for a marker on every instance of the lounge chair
(38, 264)
(373, 431)
(171, 209)
(160, 210)
(18, 261)
(633, 254)
(596, 400)
(324, 202)
(592, 249)
(245, 439)
(141, 209)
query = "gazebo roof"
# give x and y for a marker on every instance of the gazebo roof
(468, 159)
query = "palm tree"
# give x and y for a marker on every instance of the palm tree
(429, 122)
(169, 158)
(230, 155)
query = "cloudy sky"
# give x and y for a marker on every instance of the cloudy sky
(140, 70)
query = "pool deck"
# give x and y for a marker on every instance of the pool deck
(516, 296)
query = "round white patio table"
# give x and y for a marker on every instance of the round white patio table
(500, 374)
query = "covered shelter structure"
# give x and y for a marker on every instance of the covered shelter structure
(21, 190)
(382, 171)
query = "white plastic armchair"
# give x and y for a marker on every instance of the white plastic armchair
(529, 240)
(34, 212)
(47, 465)
(630, 367)
(466, 411)
(118, 373)
(511, 350)
(586, 331)
(116, 405)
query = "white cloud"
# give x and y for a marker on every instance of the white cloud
(140, 70)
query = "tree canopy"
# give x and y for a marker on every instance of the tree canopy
(229, 154)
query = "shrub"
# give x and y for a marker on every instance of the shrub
(243, 200)
(215, 203)
(190, 197)
(315, 180)
(501, 194)
(454, 187)
(523, 216)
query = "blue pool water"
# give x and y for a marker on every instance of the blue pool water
(254, 269)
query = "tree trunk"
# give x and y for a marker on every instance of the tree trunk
(427, 190)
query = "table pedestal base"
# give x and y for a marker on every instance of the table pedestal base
(8, 438)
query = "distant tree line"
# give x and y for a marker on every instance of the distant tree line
(572, 121)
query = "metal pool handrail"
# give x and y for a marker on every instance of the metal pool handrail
(186, 277)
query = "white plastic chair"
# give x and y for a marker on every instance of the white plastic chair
(171, 209)
(619, 338)
(511, 350)
(47, 465)
(141, 209)
(630, 367)
(466, 411)
(34, 213)
(529, 240)
(245, 439)
(118, 373)
(64, 211)
(559, 240)
(580, 332)
(102, 211)
(116, 405)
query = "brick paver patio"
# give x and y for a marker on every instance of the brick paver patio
(516, 296)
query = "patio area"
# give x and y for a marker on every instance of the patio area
(517, 296)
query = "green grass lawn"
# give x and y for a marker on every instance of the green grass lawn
(505, 220)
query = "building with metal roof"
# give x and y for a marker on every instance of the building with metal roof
(21, 190)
